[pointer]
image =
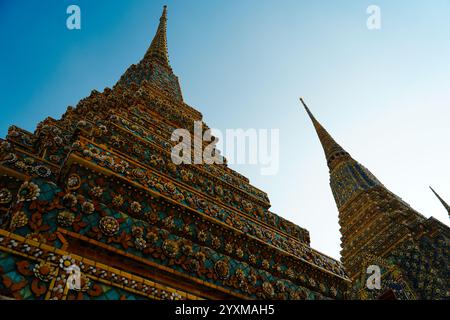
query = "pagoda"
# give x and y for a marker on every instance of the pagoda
(379, 229)
(92, 207)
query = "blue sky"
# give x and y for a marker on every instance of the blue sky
(384, 95)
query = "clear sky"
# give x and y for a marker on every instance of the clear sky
(383, 94)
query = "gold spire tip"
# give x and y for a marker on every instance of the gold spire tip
(164, 13)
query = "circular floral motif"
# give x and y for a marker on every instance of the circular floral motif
(96, 192)
(137, 231)
(28, 192)
(73, 182)
(19, 219)
(222, 269)
(118, 200)
(87, 207)
(215, 242)
(69, 200)
(268, 289)
(202, 235)
(170, 248)
(152, 217)
(65, 262)
(239, 253)
(42, 171)
(5, 196)
(140, 243)
(66, 218)
(229, 247)
(109, 226)
(44, 271)
(152, 237)
(136, 207)
(137, 149)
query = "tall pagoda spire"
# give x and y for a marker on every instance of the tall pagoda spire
(334, 153)
(158, 48)
(371, 217)
(347, 176)
(446, 206)
(154, 68)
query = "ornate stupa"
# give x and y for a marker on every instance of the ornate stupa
(92, 207)
(380, 229)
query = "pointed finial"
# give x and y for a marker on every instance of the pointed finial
(158, 48)
(334, 153)
(307, 110)
(446, 206)
(164, 13)
(154, 67)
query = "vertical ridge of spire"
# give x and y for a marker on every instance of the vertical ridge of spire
(446, 206)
